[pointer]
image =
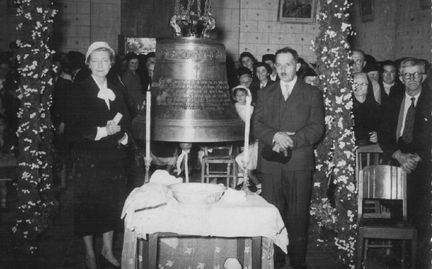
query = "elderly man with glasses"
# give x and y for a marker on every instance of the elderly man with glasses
(405, 137)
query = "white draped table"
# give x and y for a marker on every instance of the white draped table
(159, 213)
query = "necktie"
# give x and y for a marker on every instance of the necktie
(407, 134)
(285, 90)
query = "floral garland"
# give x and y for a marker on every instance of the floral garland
(335, 220)
(34, 185)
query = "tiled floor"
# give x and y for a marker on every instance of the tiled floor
(61, 250)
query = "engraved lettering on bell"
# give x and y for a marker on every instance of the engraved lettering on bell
(191, 94)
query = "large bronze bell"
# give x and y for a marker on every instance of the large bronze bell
(191, 98)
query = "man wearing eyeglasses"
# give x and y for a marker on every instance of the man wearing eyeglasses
(405, 137)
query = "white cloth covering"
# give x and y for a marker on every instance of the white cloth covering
(249, 217)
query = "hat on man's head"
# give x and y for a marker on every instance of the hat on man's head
(371, 64)
(309, 72)
(262, 64)
(98, 45)
(243, 71)
(268, 57)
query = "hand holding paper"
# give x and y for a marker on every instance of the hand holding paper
(117, 118)
(112, 127)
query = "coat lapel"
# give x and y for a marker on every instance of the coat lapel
(274, 101)
(296, 91)
(94, 92)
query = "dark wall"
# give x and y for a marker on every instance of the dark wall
(146, 18)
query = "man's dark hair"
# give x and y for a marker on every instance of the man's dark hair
(262, 64)
(151, 54)
(268, 57)
(387, 63)
(76, 60)
(243, 71)
(293, 52)
(131, 55)
(371, 64)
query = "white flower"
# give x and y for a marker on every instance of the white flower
(345, 26)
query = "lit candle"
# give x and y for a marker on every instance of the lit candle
(246, 140)
(148, 106)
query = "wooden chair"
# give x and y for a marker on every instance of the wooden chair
(219, 162)
(387, 183)
(366, 156)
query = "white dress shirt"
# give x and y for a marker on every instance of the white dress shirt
(287, 87)
(387, 87)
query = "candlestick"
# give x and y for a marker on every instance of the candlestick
(246, 141)
(147, 158)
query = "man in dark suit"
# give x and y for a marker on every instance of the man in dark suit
(289, 116)
(405, 137)
(389, 83)
(270, 60)
(262, 73)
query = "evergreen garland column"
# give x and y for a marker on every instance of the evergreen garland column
(335, 221)
(34, 185)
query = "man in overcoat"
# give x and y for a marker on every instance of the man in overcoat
(405, 135)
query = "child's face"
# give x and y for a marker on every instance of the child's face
(245, 80)
(241, 97)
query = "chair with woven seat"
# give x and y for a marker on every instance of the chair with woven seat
(387, 183)
(219, 163)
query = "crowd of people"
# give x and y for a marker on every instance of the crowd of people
(392, 107)
(97, 95)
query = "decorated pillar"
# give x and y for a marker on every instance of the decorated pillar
(34, 185)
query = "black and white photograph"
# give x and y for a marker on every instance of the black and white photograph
(209, 134)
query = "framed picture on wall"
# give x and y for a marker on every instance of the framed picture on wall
(297, 11)
(366, 10)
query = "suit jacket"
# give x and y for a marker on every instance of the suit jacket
(255, 88)
(366, 120)
(302, 113)
(396, 89)
(422, 138)
(86, 112)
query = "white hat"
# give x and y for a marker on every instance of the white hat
(97, 45)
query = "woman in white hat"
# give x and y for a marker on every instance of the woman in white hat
(98, 129)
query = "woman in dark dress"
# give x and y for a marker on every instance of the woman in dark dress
(366, 112)
(98, 125)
